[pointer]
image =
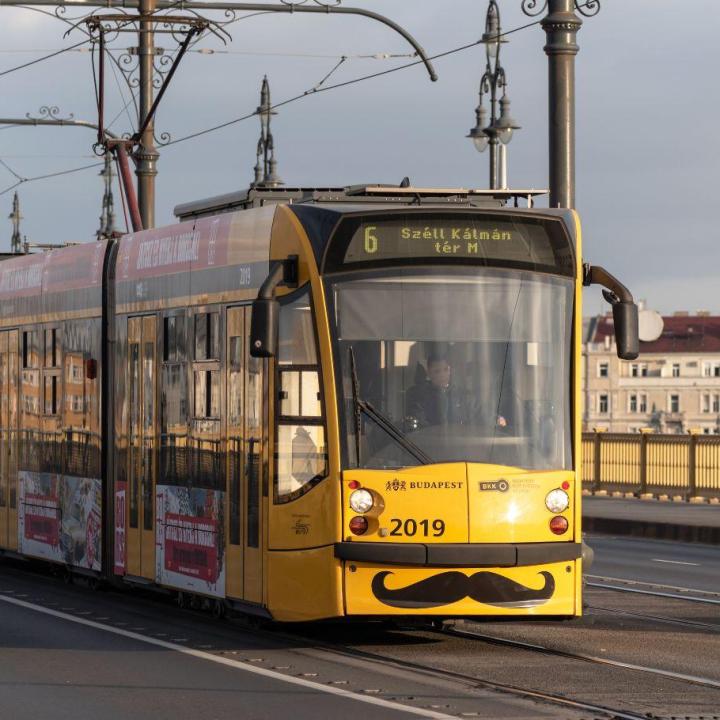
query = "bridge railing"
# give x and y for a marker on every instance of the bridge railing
(648, 463)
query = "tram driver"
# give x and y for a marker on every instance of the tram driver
(438, 400)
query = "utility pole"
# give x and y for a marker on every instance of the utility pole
(16, 217)
(141, 148)
(146, 155)
(561, 26)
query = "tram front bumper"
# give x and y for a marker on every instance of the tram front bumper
(453, 580)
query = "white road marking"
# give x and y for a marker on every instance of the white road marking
(676, 562)
(317, 687)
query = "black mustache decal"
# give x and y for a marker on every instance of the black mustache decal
(484, 587)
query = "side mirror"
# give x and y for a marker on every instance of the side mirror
(625, 318)
(264, 327)
(264, 323)
(625, 311)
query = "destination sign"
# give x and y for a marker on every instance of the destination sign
(526, 241)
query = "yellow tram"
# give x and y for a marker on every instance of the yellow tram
(310, 404)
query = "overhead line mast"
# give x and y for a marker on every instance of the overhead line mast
(141, 146)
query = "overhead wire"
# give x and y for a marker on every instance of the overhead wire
(319, 88)
(42, 59)
(49, 175)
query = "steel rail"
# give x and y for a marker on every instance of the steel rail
(514, 690)
(326, 647)
(659, 618)
(532, 647)
(710, 597)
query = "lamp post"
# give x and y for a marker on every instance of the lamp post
(266, 165)
(498, 132)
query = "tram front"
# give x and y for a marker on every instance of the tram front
(456, 340)
(450, 344)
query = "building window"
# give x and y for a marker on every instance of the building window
(674, 403)
(602, 369)
(638, 370)
(705, 403)
(676, 370)
(642, 406)
(603, 403)
(711, 369)
(633, 403)
(716, 403)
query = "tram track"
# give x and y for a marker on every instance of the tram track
(474, 681)
(713, 627)
(318, 642)
(211, 635)
(594, 659)
(640, 587)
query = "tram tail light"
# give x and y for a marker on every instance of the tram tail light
(358, 525)
(559, 524)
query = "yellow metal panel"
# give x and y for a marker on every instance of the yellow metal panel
(507, 505)
(577, 386)
(309, 521)
(536, 590)
(304, 585)
(419, 495)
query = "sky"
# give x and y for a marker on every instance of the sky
(648, 150)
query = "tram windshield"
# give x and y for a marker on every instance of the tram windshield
(451, 365)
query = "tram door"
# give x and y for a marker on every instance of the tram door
(142, 456)
(245, 461)
(8, 438)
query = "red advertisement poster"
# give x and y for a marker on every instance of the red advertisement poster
(191, 546)
(42, 521)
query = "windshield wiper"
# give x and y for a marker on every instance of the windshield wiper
(363, 406)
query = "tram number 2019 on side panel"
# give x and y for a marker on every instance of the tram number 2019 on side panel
(410, 527)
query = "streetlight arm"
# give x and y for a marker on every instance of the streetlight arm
(55, 121)
(251, 7)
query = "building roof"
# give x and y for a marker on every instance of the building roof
(681, 334)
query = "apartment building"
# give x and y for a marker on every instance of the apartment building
(673, 386)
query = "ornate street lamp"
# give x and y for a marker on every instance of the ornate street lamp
(266, 166)
(498, 132)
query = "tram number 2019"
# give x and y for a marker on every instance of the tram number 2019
(410, 527)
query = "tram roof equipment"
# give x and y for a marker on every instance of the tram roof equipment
(385, 194)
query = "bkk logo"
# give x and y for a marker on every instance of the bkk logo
(499, 485)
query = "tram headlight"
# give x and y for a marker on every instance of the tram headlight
(361, 501)
(556, 501)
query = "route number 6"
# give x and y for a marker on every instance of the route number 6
(371, 241)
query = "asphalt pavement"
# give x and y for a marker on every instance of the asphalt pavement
(68, 653)
(687, 565)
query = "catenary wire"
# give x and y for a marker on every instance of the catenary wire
(49, 175)
(345, 83)
(45, 57)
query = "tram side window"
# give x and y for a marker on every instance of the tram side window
(52, 347)
(30, 354)
(301, 444)
(51, 395)
(173, 403)
(207, 336)
(207, 394)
